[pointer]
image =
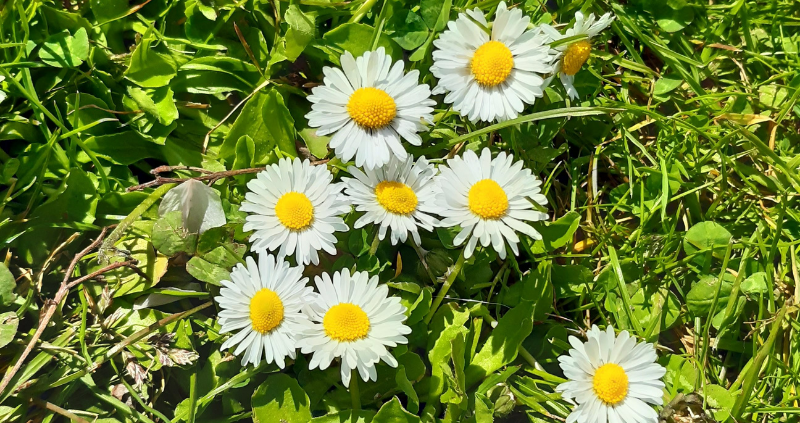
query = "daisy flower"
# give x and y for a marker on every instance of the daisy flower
(355, 319)
(263, 303)
(368, 106)
(575, 54)
(488, 77)
(293, 206)
(398, 195)
(613, 379)
(490, 199)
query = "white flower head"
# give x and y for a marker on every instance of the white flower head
(264, 304)
(612, 379)
(490, 76)
(490, 199)
(369, 105)
(355, 319)
(399, 195)
(199, 204)
(575, 54)
(294, 209)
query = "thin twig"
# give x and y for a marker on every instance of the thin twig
(209, 176)
(52, 305)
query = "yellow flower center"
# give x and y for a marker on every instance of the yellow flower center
(396, 197)
(610, 383)
(266, 311)
(294, 210)
(371, 108)
(488, 200)
(575, 57)
(492, 63)
(346, 322)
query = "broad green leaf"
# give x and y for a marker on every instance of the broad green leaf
(707, 235)
(63, 50)
(236, 68)
(7, 286)
(755, 284)
(570, 280)
(701, 296)
(89, 109)
(357, 39)
(484, 409)
(436, 13)
(557, 234)
(720, 400)
(281, 123)
(672, 15)
(149, 68)
(170, 237)
(409, 30)
(280, 395)
(159, 103)
(502, 345)
(441, 350)
(667, 84)
(317, 145)
(263, 107)
(301, 32)
(8, 327)
(393, 412)
(207, 272)
(108, 10)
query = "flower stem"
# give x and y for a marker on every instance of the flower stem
(376, 241)
(446, 286)
(421, 254)
(355, 397)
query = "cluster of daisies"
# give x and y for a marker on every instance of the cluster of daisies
(367, 106)
(487, 71)
(294, 209)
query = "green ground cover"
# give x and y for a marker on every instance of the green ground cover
(671, 186)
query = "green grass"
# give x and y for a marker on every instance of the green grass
(677, 168)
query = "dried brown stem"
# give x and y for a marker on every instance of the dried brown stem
(208, 176)
(52, 305)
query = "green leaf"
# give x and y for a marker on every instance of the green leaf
(755, 284)
(405, 385)
(436, 13)
(357, 39)
(280, 395)
(442, 348)
(207, 272)
(62, 50)
(362, 416)
(7, 286)
(705, 236)
(672, 15)
(317, 145)
(8, 327)
(557, 234)
(393, 412)
(667, 84)
(281, 123)
(409, 30)
(300, 33)
(170, 237)
(502, 345)
(570, 280)
(158, 103)
(701, 295)
(87, 112)
(149, 68)
(720, 400)
(263, 107)
(108, 10)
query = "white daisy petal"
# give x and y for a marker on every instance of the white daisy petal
(292, 207)
(605, 388)
(267, 312)
(353, 319)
